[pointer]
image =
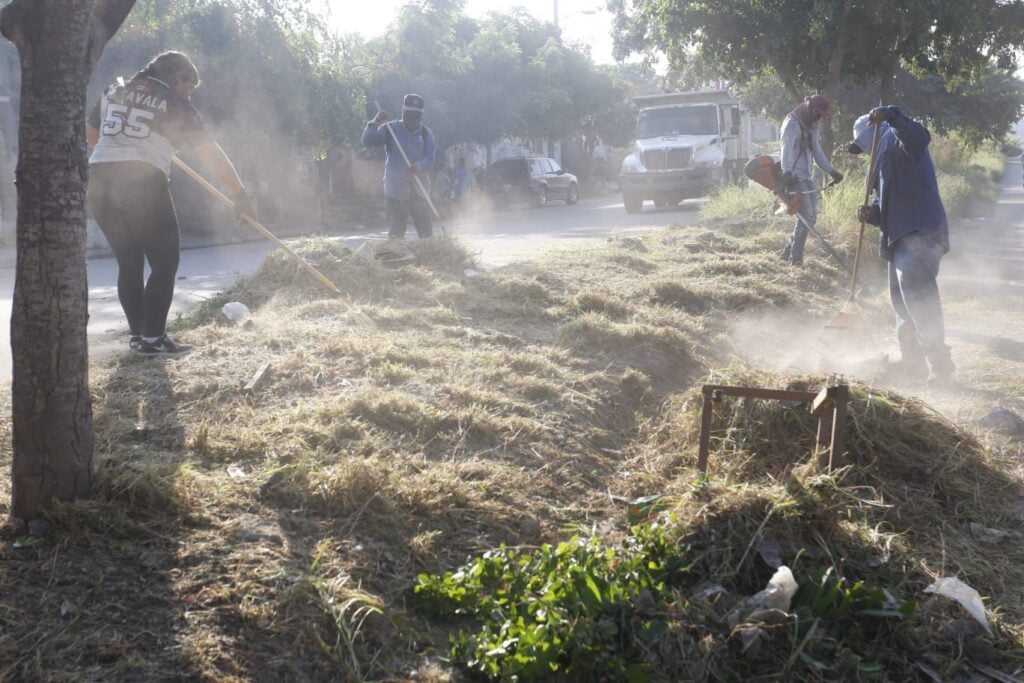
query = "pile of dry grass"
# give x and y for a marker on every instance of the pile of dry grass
(919, 499)
(275, 533)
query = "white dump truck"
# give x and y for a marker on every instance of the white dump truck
(686, 143)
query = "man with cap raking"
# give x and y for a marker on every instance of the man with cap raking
(799, 146)
(914, 236)
(403, 197)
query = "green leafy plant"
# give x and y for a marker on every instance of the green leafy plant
(834, 598)
(579, 609)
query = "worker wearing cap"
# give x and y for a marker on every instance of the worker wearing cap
(914, 236)
(801, 148)
(402, 195)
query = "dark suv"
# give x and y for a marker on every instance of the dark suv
(538, 180)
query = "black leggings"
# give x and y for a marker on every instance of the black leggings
(131, 201)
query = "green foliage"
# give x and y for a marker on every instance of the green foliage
(834, 599)
(957, 56)
(731, 201)
(580, 609)
(517, 74)
(276, 78)
(587, 611)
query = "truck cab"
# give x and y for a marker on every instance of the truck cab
(686, 144)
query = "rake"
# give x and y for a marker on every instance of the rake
(416, 179)
(354, 313)
(851, 315)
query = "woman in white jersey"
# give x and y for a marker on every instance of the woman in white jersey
(135, 130)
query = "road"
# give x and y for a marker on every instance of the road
(499, 238)
(509, 236)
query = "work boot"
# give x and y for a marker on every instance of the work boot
(941, 372)
(909, 369)
(787, 256)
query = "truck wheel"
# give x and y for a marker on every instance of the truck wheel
(634, 203)
(572, 195)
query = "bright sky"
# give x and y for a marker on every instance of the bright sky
(582, 21)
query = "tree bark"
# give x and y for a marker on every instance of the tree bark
(833, 76)
(59, 42)
(887, 88)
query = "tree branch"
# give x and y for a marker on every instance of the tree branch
(15, 16)
(107, 17)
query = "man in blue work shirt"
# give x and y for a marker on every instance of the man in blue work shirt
(914, 236)
(400, 190)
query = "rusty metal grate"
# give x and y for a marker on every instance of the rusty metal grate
(828, 405)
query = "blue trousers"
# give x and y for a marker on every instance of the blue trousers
(809, 210)
(914, 292)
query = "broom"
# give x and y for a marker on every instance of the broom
(354, 313)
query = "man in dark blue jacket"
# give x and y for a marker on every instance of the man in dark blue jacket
(914, 236)
(400, 191)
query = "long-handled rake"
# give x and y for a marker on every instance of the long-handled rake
(851, 316)
(354, 313)
(416, 179)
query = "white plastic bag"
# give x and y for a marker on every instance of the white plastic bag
(779, 592)
(235, 311)
(955, 589)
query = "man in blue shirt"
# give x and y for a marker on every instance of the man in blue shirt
(402, 195)
(914, 236)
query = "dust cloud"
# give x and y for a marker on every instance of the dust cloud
(789, 340)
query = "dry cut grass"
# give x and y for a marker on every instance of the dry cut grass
(274, 535)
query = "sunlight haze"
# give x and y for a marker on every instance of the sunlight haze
(584, 22)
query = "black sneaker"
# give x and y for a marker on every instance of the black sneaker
(134, 342)
(163, 347)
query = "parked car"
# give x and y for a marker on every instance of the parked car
(538, 180)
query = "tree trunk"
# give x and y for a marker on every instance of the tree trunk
(59, 42)
(887, 88)
(835, 71)
(792, 91)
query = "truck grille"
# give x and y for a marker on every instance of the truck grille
(667, 160)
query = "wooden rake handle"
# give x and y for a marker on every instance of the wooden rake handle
(416, 178)
(192, 173)
(868, 186)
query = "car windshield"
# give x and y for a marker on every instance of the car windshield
(702, 120)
